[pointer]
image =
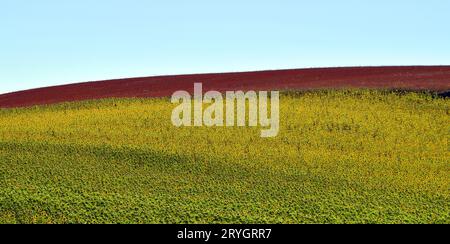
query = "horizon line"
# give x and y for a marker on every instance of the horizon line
(68, 83)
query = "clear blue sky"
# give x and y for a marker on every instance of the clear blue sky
(50, 42)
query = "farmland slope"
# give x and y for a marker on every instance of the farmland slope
(340, 157)
(434, 78)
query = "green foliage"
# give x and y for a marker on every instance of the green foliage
(340, 157)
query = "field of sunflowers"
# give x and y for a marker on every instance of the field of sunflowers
(342, 156)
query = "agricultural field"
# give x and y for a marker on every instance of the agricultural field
(342, 156)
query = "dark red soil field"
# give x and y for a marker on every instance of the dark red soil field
(431, 78)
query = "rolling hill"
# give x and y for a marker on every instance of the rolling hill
(434, 78)
(108, 152)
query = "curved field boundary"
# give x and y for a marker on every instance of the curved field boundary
(430, 78)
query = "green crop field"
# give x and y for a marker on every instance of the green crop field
(340, 157)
